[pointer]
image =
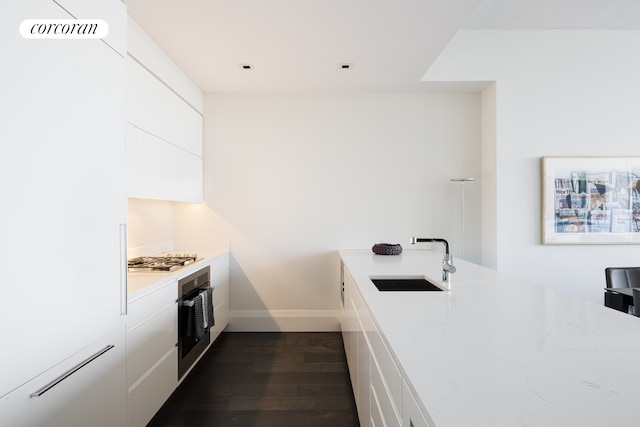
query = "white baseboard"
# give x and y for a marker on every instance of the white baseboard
(284, 321)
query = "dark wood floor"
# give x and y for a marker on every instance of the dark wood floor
(266, 380)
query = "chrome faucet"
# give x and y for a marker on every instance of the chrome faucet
(447, 260)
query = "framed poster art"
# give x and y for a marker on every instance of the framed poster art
(591, 200)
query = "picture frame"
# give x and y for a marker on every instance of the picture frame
(590, 200)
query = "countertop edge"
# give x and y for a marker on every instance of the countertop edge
(140, 284)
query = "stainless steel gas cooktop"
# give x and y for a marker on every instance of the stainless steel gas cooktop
(169, 262)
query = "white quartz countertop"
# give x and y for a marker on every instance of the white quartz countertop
(497, 352)
(140, 283)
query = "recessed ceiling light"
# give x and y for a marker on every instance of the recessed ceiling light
(246, 66)
(345, 66)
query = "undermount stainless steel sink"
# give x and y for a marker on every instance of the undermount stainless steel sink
(405, 284)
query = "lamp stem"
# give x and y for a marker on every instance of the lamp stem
(462, 215)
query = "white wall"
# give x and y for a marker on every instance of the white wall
(489, 227)
(291, 178)
(571, 93)
(149, 227)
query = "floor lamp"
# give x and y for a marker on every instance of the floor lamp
(462, 181)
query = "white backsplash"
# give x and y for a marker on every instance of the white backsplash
(150, 227)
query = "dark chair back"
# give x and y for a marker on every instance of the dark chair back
(622, 277)
(636, 302)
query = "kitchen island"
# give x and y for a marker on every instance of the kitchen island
(491, 351)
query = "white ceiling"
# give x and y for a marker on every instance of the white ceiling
(298, 45)
(556, 14)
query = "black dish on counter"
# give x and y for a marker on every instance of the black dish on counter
(387, 249)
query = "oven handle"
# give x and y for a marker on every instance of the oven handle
(184, 302)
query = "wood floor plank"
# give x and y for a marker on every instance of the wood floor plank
(264, 380)
(277, 367)
(287, 403)
(332, 389)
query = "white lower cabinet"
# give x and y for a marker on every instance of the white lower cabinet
(388, 370)
(357, 350)
(349, 326)
(220, 282)
(385, 403)
(381, 394)
(83, 390)
(150, 393)
(377, 418)
(412, 416)
(363, 398)
(152, 357)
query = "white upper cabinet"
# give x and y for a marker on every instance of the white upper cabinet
(109, 11)
(159, 170)
(63, 193)
(154, 107)
(164, 114)
(146, 51)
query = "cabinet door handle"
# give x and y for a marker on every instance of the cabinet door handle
(70, 372)
(123, 269)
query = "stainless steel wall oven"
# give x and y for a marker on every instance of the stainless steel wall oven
(195, 317)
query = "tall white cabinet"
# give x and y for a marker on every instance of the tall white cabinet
(62, 186)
